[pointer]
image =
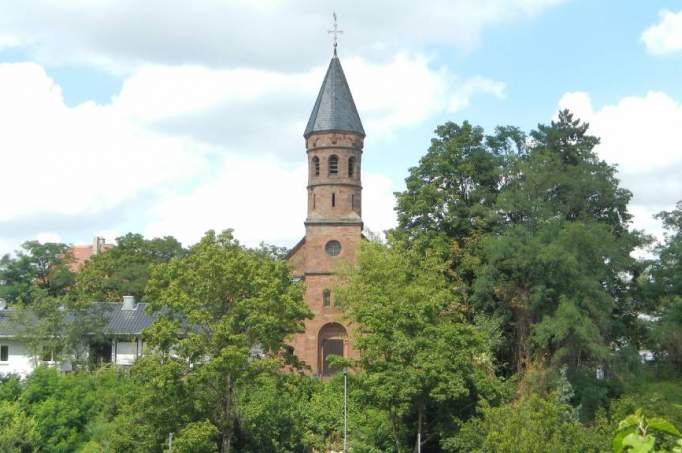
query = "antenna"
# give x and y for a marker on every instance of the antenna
(335, 31)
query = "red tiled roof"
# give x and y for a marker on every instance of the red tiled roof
(82, 253)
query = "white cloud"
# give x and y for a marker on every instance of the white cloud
(123, 34)
(66, 161)
(48, 237)
(462, 98)
(244, 110)
(665, 37)
(183, 142)
(262, 200)
(642, 136)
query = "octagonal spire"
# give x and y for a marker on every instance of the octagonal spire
(334, 109)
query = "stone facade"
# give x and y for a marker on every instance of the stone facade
(334, 214)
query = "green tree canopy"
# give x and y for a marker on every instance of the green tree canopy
(536, 230)
(420, 360)
(225, 312)
(125, 268)
(35, 265)
(665, 287)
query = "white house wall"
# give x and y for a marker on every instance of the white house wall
(20, 361)
(127, 352)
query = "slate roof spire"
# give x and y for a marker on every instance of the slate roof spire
(334, 109)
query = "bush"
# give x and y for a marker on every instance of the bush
(526, 426)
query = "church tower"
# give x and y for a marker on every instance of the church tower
(333, 227)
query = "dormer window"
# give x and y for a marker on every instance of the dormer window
(351, 166)
(316, 166)
(333, 165)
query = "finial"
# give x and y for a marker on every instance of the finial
(335, 31)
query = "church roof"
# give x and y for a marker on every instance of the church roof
(334, 108)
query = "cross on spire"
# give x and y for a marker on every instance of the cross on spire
(336, 32)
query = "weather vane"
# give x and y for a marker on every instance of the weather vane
(336, 32)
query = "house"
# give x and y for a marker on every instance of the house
(80, 254)
(118, 341)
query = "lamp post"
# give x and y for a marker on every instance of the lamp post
(345, 411)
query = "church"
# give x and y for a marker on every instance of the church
(333, 231)
(333, 227)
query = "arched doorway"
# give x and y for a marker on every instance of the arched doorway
(331, 341)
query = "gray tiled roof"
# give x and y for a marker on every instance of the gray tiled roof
(8, 327)
(123, 322)
(117, 321)
(334, 109)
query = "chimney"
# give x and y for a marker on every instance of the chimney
(129, 303)
(98, 245)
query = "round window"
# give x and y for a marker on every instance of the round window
(333, 248)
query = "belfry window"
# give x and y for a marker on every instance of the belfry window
(333, 165)
(316, 166)
(327, 298)
(351, 166)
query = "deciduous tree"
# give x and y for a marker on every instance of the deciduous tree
(225, 313)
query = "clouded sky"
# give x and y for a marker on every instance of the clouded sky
(171, 117)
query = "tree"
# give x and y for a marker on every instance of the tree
(35, 265)
(125, 268)
(537, 233)
(451, 195)
(564, 255)
(18, 433)
(420, 361)
(531, 425)
(225, 312)
(665, 287)
(61, 406)
(58, 329)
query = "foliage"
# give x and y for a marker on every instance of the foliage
(225, 312)
(54, 329)
(197, 437)
(664, 285)
(635, 434)
(526, 426)
(480, 323)
(125, 268)
(536, 233)
(35, 266)
(420, 361)
(19, 432)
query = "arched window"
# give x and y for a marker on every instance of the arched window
(316, 166)
(351, 166)
(331, 341)
(327, 298)
(333, 165)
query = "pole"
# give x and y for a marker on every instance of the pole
(419, 431)
(345, 411)
(170, 443)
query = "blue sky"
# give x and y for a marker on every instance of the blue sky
(167, 120)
